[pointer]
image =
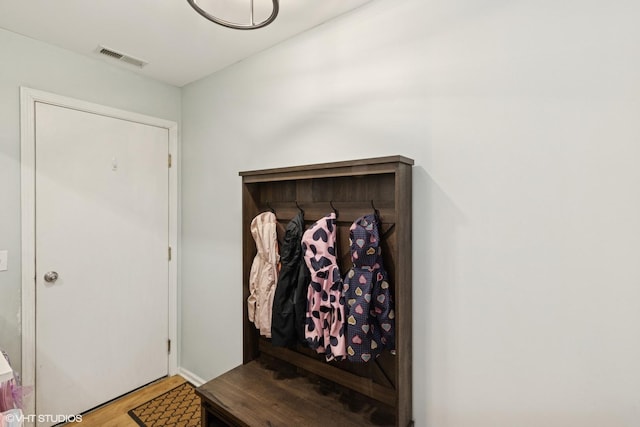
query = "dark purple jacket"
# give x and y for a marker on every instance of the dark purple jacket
(369, 305)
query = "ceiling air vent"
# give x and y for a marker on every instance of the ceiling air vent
(121, 56)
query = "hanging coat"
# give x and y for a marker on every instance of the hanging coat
(290, 299)
(370, 313)
(264, 271)
(324, 328)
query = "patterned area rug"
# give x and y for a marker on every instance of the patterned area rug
(179, 407)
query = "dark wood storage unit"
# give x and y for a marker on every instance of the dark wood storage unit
(279, 386)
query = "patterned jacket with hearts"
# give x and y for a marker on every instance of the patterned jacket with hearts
(370, 314)
(324, 329)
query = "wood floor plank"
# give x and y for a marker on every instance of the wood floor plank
(115, 413)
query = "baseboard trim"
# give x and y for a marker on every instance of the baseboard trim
(191, 377)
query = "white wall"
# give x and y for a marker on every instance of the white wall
(522, 117)
(26, 62)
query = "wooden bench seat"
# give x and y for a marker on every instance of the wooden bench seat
(252, 395)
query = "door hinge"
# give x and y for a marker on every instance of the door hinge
(170, 160)
(169, 253)
(168, 346)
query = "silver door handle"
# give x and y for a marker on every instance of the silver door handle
(50, 277)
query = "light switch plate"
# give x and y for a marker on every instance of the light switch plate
(3, 260)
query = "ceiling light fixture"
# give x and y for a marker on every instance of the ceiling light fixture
(252, 25)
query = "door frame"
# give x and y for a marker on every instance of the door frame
(28, 99)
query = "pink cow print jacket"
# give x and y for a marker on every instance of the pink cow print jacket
(324, 328)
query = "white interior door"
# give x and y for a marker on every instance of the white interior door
(102, 225)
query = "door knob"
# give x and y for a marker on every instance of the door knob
(50, 277)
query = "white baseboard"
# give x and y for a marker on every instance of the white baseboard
(191, 377)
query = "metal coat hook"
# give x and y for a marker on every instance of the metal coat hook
(270, 208)
(251, 26)
(334, 208)
(299, 208)
(375, 211)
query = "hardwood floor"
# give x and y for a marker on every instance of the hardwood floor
(115, 414)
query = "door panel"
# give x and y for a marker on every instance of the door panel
(102, 225)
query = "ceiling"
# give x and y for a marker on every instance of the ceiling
(179, 45)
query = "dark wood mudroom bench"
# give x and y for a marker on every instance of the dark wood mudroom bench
(252, 395)
(291, 387)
